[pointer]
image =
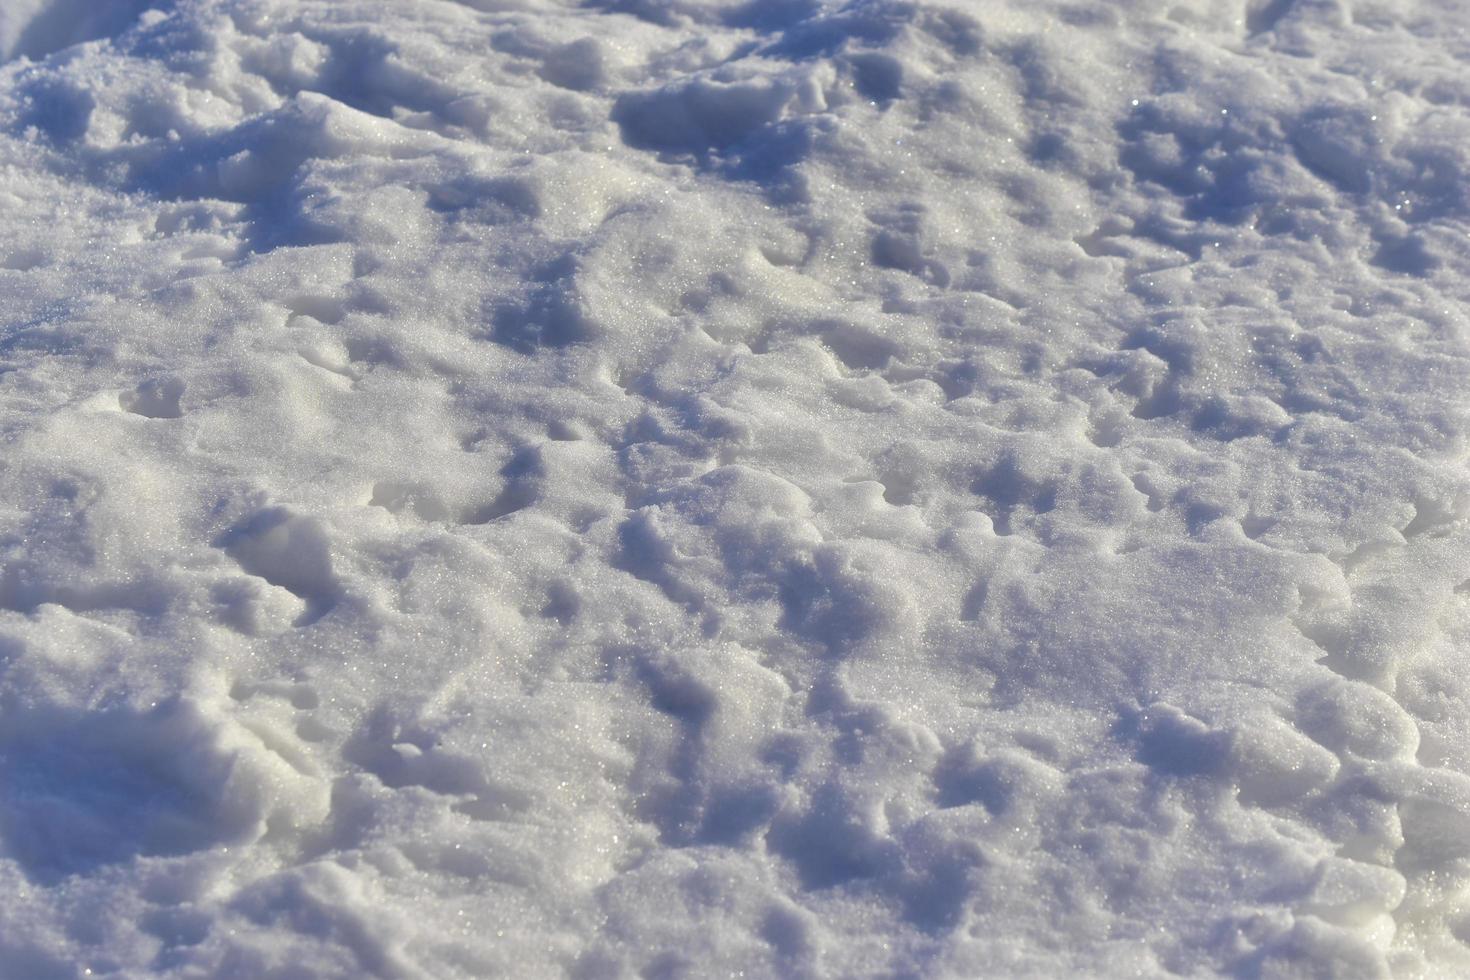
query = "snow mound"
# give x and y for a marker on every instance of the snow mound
(37, 28)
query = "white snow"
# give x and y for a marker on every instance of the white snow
(781, 488)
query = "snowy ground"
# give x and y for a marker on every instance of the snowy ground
(781, 488)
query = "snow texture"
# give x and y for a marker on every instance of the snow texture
(691, 488)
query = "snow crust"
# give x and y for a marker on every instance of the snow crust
(785, 488)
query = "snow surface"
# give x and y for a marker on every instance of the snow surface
(788, 488)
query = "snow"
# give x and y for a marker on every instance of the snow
(787, 488)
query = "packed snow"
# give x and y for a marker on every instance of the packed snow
(767, 488)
